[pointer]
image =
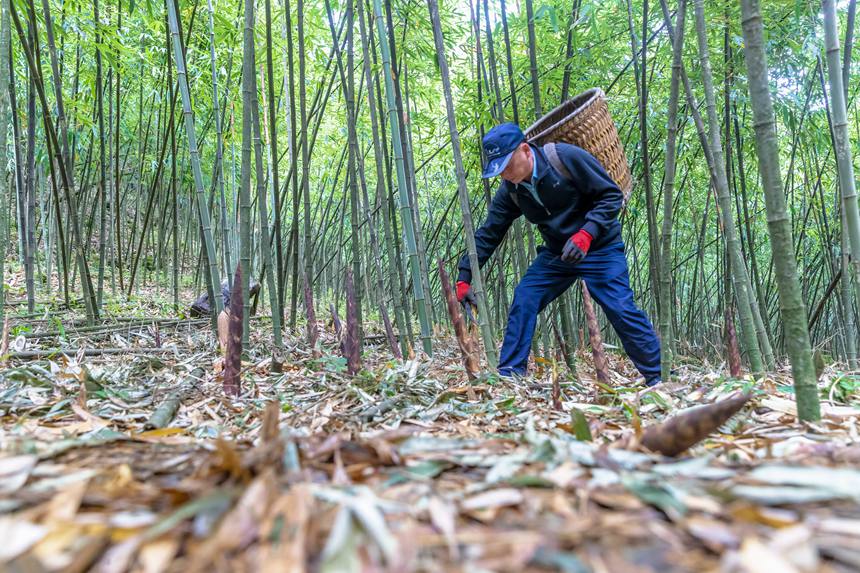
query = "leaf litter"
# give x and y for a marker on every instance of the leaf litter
(140, 462)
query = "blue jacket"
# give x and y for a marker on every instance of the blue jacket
(590, 201)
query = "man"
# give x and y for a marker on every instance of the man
(575, 204)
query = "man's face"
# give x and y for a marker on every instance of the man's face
(520, 166)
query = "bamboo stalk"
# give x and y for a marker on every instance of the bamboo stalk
(194, 155)
(164, 412)
(792, 308)
(402, 183)
(666, 307)
(463, 192)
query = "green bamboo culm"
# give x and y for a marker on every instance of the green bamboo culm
(194, 155)
(5, 120)
(402, 192)
(66, 176)
(381, 190)
(791, 306)
(842, 143)
(665, 292)
(847, 307)
(102, 184)
(245, 246)
(462, 190)
(305, 190)
(736, 264)
(262, 201)
(219, 152)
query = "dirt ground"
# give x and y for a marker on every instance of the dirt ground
(396, 469)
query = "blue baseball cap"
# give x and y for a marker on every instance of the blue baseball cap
(499, 145)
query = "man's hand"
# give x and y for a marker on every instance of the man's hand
(576, 247)
(466, 298)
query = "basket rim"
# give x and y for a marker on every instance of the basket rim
(592, 93)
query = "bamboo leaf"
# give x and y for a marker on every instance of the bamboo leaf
(580, 426)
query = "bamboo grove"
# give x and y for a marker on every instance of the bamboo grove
(150, 148)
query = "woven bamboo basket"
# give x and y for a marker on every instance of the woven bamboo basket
(585, 121)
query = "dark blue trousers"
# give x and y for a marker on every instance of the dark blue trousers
(605, 274)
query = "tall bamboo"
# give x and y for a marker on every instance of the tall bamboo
(294, 158)
(245, 239)
(103, 189)
(194, 156)
(639, 50)
(66, 175)
(273, 159)
(174, 191)
(116, 266)
(306, 192)
(568, 51)
(533, 70)
(5, 121)
(27, 204)
(736, 263)
(402, 191)
(399, 69)
(666, 307)
(848, 318)
(354, 153)
(791, 306)
(508, 60)
(499, 104)
(462, 191)
(249, 81)
(219, 151)
(518, 227)
(765, 349)
(348, 86)
(382, 196)
(842, 142)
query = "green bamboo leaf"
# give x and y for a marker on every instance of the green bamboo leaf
(580, 426)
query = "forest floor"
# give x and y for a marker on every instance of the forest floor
(397, 470)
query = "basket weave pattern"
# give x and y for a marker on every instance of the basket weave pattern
(585, 121)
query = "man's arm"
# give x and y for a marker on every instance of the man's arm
(593, 180)
(502, 212)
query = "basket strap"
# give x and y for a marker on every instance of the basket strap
(554, 160)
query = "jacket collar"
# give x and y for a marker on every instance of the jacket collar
(540, 161)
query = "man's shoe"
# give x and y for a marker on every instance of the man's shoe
(511, 376)
(653, 381)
